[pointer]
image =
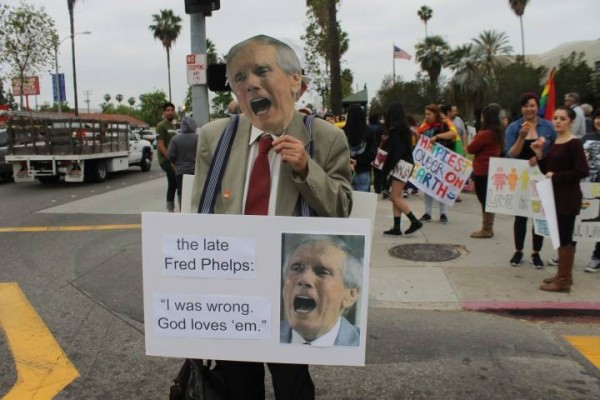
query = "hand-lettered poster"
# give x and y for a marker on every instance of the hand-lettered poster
(587, 224)
(439, 171)
(511, 188)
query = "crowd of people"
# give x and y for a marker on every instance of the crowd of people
(557, 146)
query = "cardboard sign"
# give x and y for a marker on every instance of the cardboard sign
(439, 171)
(256, 288)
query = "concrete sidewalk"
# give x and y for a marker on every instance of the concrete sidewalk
(481, 278)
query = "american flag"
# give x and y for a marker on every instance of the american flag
(399, 53)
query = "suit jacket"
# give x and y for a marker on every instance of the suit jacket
(349, 335)
(327, 187)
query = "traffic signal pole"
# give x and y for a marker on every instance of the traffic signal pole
(199, 92)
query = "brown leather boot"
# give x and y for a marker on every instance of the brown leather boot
(487, 229)
(564, 278)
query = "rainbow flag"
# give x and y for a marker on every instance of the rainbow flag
(548, 98)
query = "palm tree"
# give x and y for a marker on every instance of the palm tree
(425, 13)
(432, 53)
(470, 81)
(119, 98)
(334, 57)
(518, 6)
(107, 97)
(492, 44)
(166, 28)
(131, 101)
(70, 6)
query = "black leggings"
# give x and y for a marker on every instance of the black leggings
(519, 231)
(566, 226)
(481, 189)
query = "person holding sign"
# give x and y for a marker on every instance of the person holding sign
(271, 160)
(566, 164)
(443, 133)
(398, 165)
(520, 134)
(488, 142)
(321, 281)
(363, 147)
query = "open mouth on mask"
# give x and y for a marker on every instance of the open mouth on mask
(304, 304)
(260, 106)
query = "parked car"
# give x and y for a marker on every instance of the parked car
(149, 136)
(6, 170)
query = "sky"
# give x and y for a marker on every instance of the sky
(121, 55)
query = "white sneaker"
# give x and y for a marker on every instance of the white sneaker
(553, 261)
(593, 265)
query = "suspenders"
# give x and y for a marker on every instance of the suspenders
(212, 185)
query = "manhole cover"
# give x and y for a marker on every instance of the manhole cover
(426, 252)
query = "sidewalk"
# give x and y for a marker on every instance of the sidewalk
(481, 278)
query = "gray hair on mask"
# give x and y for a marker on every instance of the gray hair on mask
(352, 270)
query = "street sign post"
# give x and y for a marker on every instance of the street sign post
(196, 69)
(61, 88)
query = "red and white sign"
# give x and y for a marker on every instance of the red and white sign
(30, 87)
(196, 69)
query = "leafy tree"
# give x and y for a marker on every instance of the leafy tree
(219, 105)
(575, 75)
(347, 80)
(151, 105)
(518, 6)
(54, 107)
(432, 53)
(425, 13)
(166, 28)
(321, 33)
(512, 80)
(27, 37)
(413, 95)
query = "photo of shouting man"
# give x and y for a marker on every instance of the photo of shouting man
(321, 282)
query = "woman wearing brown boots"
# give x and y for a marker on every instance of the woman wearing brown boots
(566, 165)
(488, 142)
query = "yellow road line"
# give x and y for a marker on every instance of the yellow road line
(43, 369)
(589, 346)
(69, 228)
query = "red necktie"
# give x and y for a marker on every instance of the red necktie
(259, 187)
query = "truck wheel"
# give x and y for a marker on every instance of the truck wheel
(96, 171)
(48, 179)
(146, 162)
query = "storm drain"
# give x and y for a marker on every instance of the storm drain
(427, 252)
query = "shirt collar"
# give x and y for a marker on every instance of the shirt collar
(326, 340)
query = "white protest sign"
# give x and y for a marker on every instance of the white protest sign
(587, 223)
(242, 303)
(546, 195)
(511, 183)
(402, 170)
(439, 172)
(196, 69)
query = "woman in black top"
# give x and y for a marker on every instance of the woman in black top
(363, 147)
(566, 165)
(399, 147)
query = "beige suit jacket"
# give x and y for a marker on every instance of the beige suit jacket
(327, 187)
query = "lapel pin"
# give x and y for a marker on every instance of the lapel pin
(226, 194)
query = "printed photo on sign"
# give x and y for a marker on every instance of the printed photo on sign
(380, 158)
(321, 286)
(439, 171)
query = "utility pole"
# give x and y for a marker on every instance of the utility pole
(87, 99)
(198, 10)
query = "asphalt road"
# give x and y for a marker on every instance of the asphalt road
(87, 288)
